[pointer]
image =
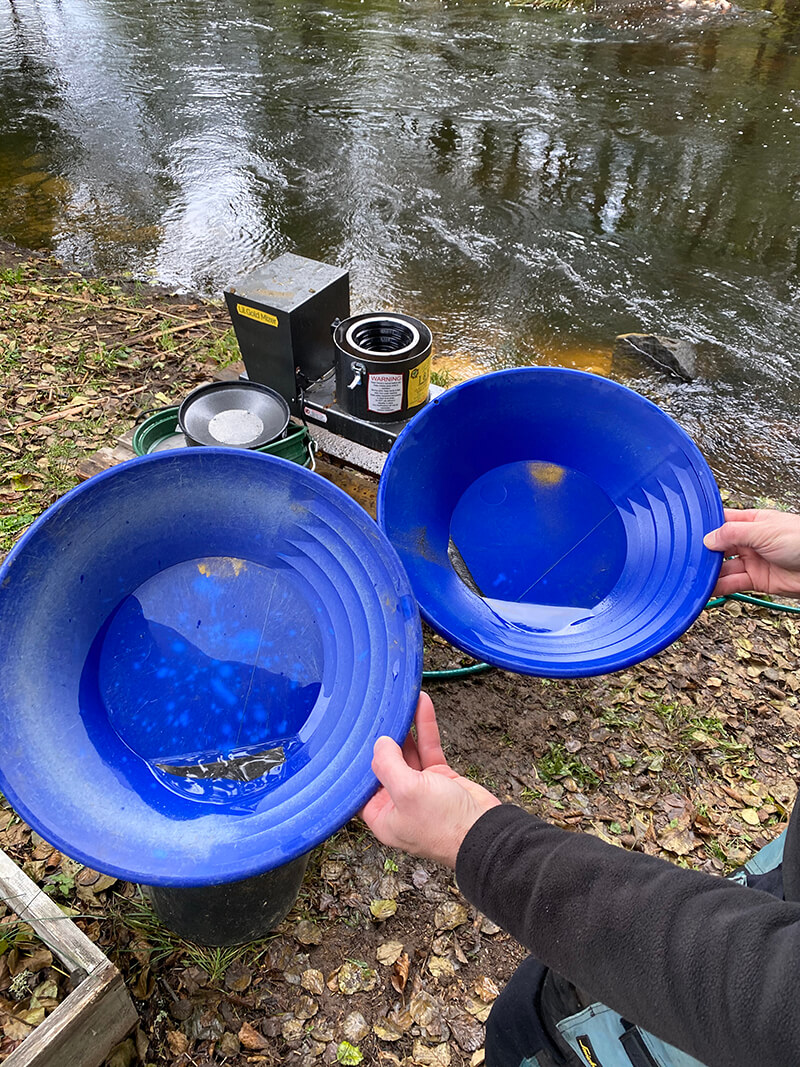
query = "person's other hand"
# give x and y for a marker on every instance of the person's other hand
(765, 546)
(423, 806)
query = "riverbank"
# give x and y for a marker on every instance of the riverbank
(690, 756)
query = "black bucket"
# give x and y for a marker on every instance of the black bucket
(233, 913)
(383, 366)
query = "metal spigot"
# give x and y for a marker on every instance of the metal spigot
(359, 370)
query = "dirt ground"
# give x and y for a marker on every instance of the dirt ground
(691, 756)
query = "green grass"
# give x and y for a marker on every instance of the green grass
(224, 349)
(771, 504)
(12, 275)
(557, 764)
(613, 717)
(12, 525)
(138, 916)
(673, 716)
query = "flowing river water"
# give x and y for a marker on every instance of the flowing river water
(528, 182)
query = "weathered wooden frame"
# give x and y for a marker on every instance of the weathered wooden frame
(97, 1014)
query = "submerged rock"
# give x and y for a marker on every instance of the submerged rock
(677, 357)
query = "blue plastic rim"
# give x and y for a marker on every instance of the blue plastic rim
(551, 521)
(199, 650)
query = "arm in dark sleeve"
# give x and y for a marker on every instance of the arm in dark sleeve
(704, 963)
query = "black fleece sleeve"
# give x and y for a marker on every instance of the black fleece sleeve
(706, 964)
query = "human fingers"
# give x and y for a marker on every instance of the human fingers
(735, 535)
(411, 752)
(736, 565)
(734, 582)
(429, 742)
(391, 769)
(742, 514)
(771, 536)
(376, 808)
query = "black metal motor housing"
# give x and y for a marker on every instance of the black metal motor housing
(282, 317)
(382, 366)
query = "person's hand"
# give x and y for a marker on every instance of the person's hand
(762, 550)
(423, 806)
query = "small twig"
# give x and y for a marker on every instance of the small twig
(74, 409)
(158, 331)
(87, 303)
(149, 309)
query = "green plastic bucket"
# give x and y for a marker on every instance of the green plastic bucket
(153, 435)
(160, 432)
(297, 446)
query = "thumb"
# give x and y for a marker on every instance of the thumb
(391, 768)
(733, 535)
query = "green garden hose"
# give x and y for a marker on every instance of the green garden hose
(479, 668)
(747, 599)
(456, 672)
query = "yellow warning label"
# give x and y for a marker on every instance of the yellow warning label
(259, 316)
(419, 380)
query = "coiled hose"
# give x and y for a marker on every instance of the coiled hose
(479, 668)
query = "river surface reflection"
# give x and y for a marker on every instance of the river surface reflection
(530, 183)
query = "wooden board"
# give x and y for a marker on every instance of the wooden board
(98, 1013)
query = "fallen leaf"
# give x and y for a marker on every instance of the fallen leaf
(94, 879)
(440, 967)
(355, 1027)
(400, 973)
(401, 1018)
(40, 958)
(32, 1016)
(468, 1033)
(144, 985)
(438, 1056)
(386, 1030)
(478, 1008)
(348, 1054)
(251, 1038)
(681, 842)
(306, 1007)
(238, 977)
(486, 989)
(293, 1030)
(178, 1042)
(389, 952)
(425, 1010)
(294, 972)
(382, 909)
(228, 1044)
(420, 877)
(279, 955)
(308, 933)
(449, 915)
(16, 1029)
(313, 981)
